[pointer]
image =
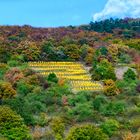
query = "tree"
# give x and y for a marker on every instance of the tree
(3, 69)
(72, 51)
(58, 127)
(4, 53)
(29, 50)
(110, 127)
(110, 88)
(113, 108)
(27, 106)
(83, 51)
(16, 60)
(86, 132)
(43, 119)
(103, 70)
(23, 88)
(104, 51)
(89, 56)
(127, 87)
(133, 43)
(48, 51)
(81, 111)
(6, 90)
(129, 75)
(113, 51)
(52, 78)
(99, 101)
(124, 58)
(14, 75)
(12, 125)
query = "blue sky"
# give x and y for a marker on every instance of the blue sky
(48, 13)
(54, 13)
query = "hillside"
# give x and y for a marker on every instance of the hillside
(70, 83)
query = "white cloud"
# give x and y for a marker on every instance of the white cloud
(119, 9)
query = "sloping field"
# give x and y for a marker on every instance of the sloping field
(73, 71)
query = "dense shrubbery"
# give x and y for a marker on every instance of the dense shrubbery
(47, 104)
(38, 99)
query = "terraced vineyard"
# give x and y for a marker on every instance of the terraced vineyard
(72, 71)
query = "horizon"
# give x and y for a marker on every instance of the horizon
(42, 27)
(46, 14)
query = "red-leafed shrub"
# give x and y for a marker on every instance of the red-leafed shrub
(13, 76)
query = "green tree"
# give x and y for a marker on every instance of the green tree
(4, 53)
(72, 51)
(3, 69)
(133, 43)
(104, 51)
(52, 78)
(84, 51)
(86, 132)
(103, 70)
(23, 88)
(16, 60)
(113, 108)
(28, 106)
(125, 58)
(48, 51)
(110, 127)
(81, 111)
(43, 119)
(12, 125)
(58, 127)
(99, 101)
(129, 75)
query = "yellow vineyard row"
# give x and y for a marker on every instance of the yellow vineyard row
(75, 72)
